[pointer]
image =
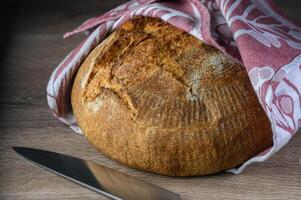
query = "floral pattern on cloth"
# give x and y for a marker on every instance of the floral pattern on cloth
(253, 33)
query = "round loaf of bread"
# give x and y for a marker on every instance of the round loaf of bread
(153, 97)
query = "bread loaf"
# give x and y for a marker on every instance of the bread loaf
(155, 98)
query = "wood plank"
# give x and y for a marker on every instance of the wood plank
(278, 177)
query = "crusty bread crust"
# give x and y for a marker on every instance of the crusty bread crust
(156, 98)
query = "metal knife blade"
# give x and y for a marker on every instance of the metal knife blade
(96, 177)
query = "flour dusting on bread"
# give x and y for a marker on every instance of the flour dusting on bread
(95, 104)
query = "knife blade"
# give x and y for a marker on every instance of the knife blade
(96, 177)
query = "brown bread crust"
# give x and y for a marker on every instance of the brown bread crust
(156, 98)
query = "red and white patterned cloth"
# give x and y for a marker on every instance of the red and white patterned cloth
(252, 32)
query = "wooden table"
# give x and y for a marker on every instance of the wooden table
(31, 46)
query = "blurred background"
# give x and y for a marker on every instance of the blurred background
(58, 16)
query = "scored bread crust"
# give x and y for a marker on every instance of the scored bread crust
(153, 97)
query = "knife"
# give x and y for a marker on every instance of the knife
(96, 177)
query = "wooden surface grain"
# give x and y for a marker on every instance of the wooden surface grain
(31, 45)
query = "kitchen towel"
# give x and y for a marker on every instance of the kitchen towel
(254, 33)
